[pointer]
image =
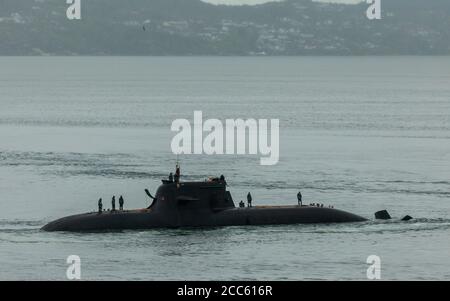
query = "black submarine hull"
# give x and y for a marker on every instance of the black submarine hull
(198, 204)
(149, 219)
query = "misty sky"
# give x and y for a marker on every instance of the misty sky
(237, 2)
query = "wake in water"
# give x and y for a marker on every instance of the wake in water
(116, 165)
(386, 226)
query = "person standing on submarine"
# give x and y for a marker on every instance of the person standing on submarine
(100, 206)
(177, 173)
(121, 203)
(299, 198)
(222, 179)
(249, 200)
(113, 203)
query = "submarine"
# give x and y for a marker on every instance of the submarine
(206, 203)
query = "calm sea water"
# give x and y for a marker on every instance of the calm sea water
(362, 134)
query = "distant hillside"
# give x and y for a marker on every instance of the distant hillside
(192, 27)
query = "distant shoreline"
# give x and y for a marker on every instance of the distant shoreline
(195, 28)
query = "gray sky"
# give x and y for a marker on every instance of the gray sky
(237, 2)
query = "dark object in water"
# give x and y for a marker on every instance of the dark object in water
(383, 214)
(407, 218)
(198, 204)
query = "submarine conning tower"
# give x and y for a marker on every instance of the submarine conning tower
(207, 196)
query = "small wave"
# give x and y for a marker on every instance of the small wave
(111, 173)
(417, 182)
(407, 191)
(15, 226)
(18, 222)
(63, 159)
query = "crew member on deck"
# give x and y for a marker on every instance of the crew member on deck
(299, 198)
(121, 203)
(177, 173)
(171, 177)
(100, 205)
(241, 204)
(113, 203)
(249, 200)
